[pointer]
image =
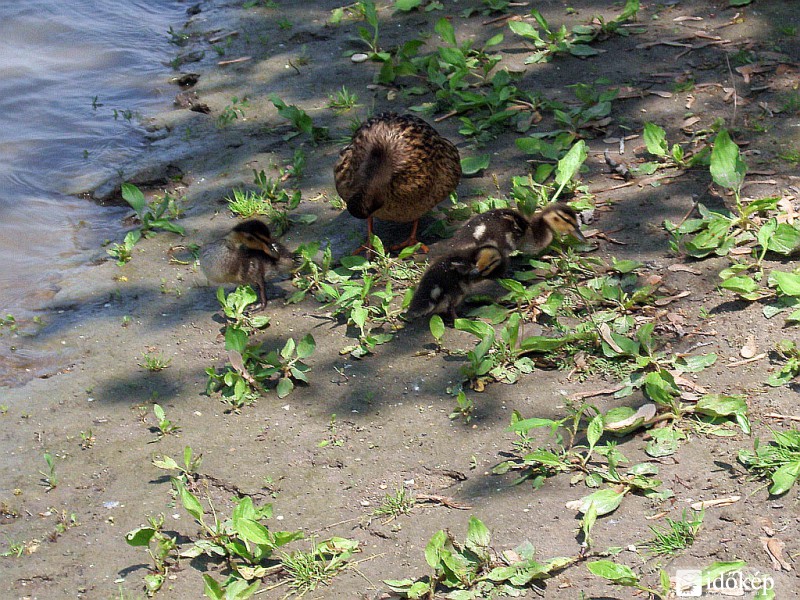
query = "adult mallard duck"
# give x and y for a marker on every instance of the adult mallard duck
(247, 254)
(396, 168)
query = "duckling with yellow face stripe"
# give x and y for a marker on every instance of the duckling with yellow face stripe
(508, 230)
(446, 282)
(246, 255)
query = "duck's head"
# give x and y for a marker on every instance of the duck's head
(563, 220)
(487, 261)
(255, 235)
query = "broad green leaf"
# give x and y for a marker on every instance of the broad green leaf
(784, 478)
(211, 588)
(159, 412)
(743, 285)
(445, 30)
(478, 536)
(476, 328)
(235, 339)
(727, 167)
(306, 346)
(165, 462)
(605, 501)
(434, 547)
(189, 500)
(140, 537)
(660, 387)
(524, 29)
(406, 5)
(712, 572)
(582, 50)
(436, 325)
(664, 442)
(611, 571)
(253, 531)
(472, 164)
(285, 387)
(288, 349)
(493, 41)
(788, 284)
(721, 405)
(594, 430)
(785, 240)
(655, 138)
(569, 165)
(134, 196)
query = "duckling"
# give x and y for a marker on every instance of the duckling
(557, 218)
(446, 282)
(396, 168)
(507, 230)
(246, 255)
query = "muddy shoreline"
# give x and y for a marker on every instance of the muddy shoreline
(327, 455)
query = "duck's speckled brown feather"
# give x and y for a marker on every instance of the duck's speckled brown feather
(396, 168)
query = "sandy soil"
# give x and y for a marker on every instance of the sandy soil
(391, 408)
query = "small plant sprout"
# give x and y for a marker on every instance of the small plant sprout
(333, 438)
(50, 480)
(87, 439)
(235, 305)
(152, 216)
(161, 548)
(187, 471)
(677, 536)
(472, 569)
(154, 362)
(779, 460)
(464, 407)
(299, 120)
(233, 111)
(124, 252)
(394, 505)
(343, 101)
(165, 426)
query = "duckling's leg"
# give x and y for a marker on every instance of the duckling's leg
(412, 239)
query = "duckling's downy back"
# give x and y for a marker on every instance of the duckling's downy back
(246, 255)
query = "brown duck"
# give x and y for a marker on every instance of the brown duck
(396, 168)
(246, 255)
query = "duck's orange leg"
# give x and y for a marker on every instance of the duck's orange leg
(366, 246)
(412, 240)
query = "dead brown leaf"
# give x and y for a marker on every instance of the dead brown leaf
(713, 503)
(684, 268)
(774, 548)
(670, 299)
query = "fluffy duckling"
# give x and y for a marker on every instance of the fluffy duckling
(396, 168)
(557, 218)
(507, 230)
(246, 255)
(446, 282)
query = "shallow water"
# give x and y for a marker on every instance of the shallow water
(65, 67)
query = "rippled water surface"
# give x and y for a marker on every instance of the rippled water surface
(65, 67)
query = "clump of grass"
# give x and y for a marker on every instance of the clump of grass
(343, 101)
(677, 536)
(306, 571)
(154, 362)
(394, 505)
